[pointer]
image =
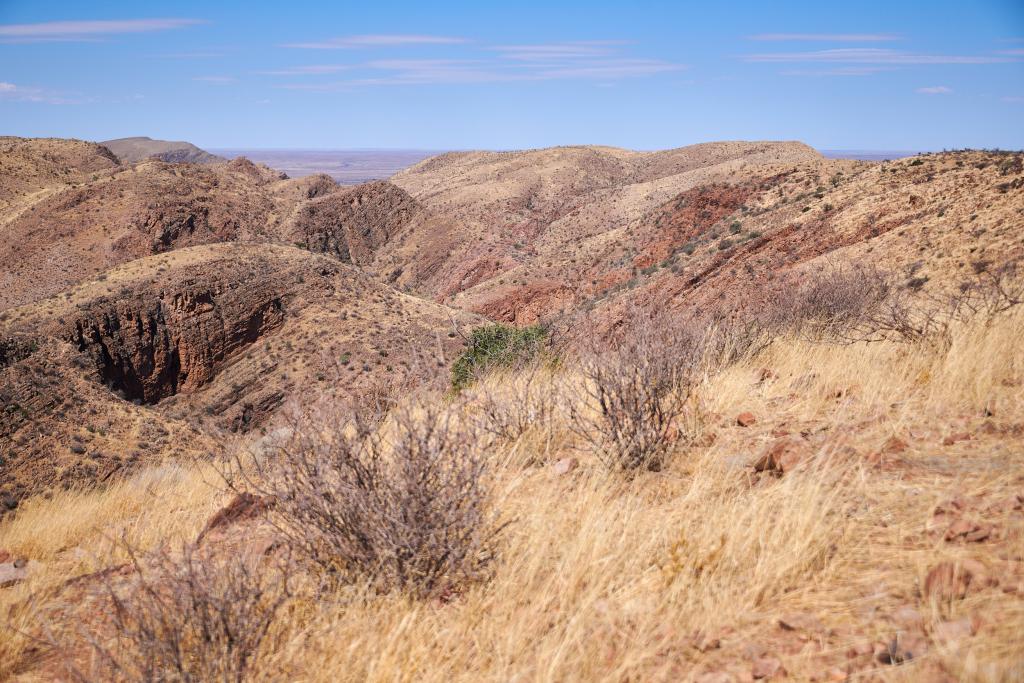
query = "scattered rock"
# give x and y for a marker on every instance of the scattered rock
(243, 506)
(746, 419)
(767, 667)
(956, 438)
(952, 507)
(20, 563)
(702, 643)
(967, 531)
(952, 631)
(706, 439)
(11, 573)
(894, 445)
(953, 580)
(565, 466)
(801, 622)
(782, 455)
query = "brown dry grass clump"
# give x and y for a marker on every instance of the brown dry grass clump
(703, 567)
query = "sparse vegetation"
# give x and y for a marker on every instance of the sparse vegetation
(634, 395)
(179, 617)
(408, 511)
(496, 345)
(798, 456)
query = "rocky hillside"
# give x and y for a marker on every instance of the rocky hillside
(159, 283)
(695, 480)
(29, 166)
(73, 229)
(515, 210)
(200, 339)
(132, 150)
(714, 224)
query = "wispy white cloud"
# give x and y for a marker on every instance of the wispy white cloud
(598, 60)
(611, 69)
(1012, 98)
(867, 55)
(1016, 52)
(198, 54)
(839, 71)
(826, 37)
(412, 72)
(308, 70)
(20, 93)
(86, 30)
(570, 50)
(215, 80)
(378, 40)
(935, 90)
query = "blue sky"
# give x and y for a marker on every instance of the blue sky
(503, 75)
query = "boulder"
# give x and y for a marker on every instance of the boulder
(746, 419)
(565, 466)
(782, 455)
(12, 573)
(954, 580)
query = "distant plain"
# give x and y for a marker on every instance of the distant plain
(354, 166)
(346, 166)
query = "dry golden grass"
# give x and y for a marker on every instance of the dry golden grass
(603, 578)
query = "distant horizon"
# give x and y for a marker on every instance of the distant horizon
(874, 75)
(358, 165)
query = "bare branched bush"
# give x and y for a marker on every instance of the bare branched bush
(634, 393)
(724, 341)
(404, 506)
(863, 304)
(526, 401)
(177, 617)
(903, 316)
(830, 303)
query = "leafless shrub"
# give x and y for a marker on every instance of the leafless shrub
(991, 292)
(724, 341)
(831, 302)
(905, 317)
(528, 401)
(404, 506)
(863, 304)
(177, 617)
(634, 393)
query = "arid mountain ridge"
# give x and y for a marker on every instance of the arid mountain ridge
(709, 472)
(204, 296)
(131, 150)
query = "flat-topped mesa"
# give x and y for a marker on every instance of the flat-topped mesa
(135, 149)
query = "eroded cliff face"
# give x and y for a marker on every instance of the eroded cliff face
(178, 348)
(60, 427)
(352, 224)
(157, 345)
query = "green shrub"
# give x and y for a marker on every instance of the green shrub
(735, 228)
(724, 244)
(496, 345)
